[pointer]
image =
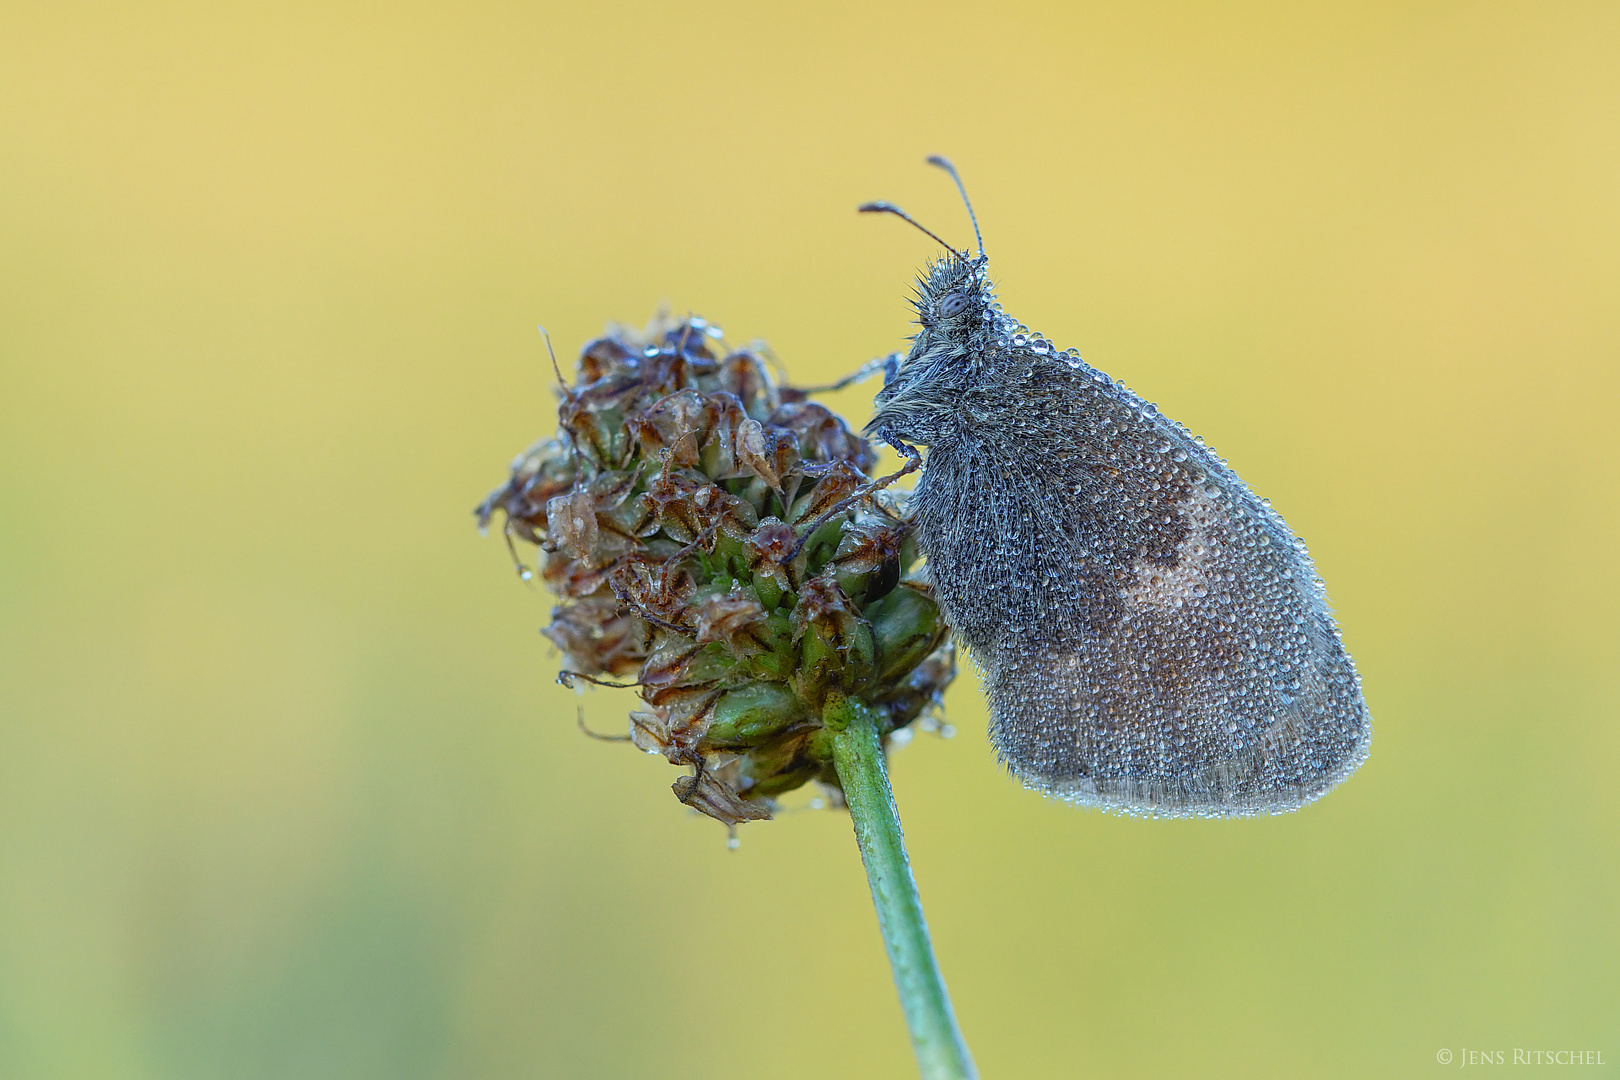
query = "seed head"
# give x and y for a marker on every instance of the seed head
(683, 513)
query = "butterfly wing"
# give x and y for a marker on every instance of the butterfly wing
(1154, 638)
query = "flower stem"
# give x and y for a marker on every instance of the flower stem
(858, 756)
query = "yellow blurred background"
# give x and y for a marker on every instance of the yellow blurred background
(286, 789)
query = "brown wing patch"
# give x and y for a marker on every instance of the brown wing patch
(1185, 578)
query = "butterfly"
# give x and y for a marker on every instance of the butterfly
(1154, 638)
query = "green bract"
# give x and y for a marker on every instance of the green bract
(695, 521)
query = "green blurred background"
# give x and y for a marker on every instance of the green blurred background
(285, 787)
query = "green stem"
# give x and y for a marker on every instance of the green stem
(858, 757)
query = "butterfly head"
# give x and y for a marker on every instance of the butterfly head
(956, 304)
(958, 321)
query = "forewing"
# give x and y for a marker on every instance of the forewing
(1155, 639)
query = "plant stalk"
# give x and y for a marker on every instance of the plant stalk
(858, 756)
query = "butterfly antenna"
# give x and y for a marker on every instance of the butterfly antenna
(890, 208)
(944, 163)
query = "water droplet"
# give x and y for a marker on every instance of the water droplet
(733, 842)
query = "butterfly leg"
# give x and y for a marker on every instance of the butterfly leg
(886, 364)
(914, 461)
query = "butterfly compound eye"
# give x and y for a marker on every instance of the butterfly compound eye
(953, 305)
